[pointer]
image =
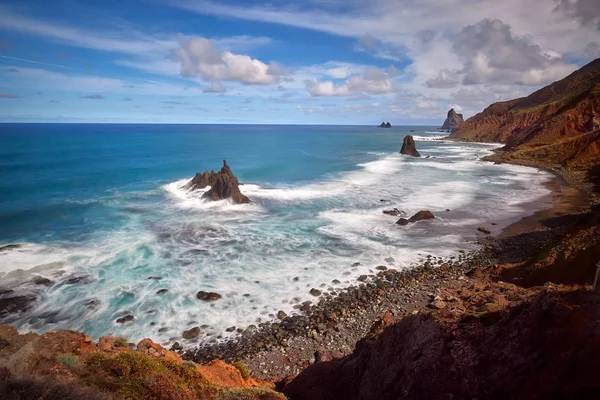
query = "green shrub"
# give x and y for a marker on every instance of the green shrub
(121, 342)
(68, 360)
(243, 368)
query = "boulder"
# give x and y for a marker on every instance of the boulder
(453, 121)
(409, 148)
(208, 296)
(191, 333)
(125, 319)
(223, 185)
(393, 212)
(420, 216)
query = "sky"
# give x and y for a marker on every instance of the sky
(283, 61)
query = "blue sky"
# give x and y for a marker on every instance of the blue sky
(311, 61)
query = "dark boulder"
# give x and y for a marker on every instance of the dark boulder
(9, 247)
(15, 305)
(409, 147)
(393, 212)
(453, 121)
(420, 216)
(127, 318)
(223, 185)
(208, 296)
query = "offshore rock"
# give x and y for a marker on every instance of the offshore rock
(453, 121)
(385, 125)
(420, 216)
(223, 185)
(409, 147)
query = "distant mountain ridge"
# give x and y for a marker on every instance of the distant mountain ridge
(557, 124)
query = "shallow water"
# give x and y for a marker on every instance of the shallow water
(105, 202)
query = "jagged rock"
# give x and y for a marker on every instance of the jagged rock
(385, 125)
(393, 212)
(420, 216)
(208, 296)
(453, 121)
(223, 185)
(409, 147)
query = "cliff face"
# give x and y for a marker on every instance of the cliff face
(555, 115)
(486, 352)
(453, 121)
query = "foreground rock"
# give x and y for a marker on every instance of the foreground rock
(409, 147)
(208, 296)
(453, 121)
(474, 349)
(420, 216)
(70, 365)
(223, 185)
(385, 125)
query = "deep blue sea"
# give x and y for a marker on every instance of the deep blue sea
(103, 204)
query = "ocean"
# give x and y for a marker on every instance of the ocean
(98, 209)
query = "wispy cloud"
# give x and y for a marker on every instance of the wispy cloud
(93, 97)
(5, 95)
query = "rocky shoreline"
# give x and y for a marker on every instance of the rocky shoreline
(331, 328)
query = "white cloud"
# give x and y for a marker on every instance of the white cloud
(371, 81)
(199, 57)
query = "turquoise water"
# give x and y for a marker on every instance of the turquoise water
(105, 202)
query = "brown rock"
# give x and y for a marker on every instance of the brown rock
(191, 333)
(106, 343)
(420, 216)
(208, 296)
(223, 185)
(409, 148)
(393, 212)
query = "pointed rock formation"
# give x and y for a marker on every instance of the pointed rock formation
(385, 125)
(409, 148)
(223, 185)
(453, 121)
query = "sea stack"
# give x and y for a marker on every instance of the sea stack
(409, 147)
(223, 185)
(453, 121)
(385, 125)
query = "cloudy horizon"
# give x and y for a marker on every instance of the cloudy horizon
(313, 62)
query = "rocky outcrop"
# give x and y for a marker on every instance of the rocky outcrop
(476, 346)
(385, 125)
(223, 185)
(553, 116)
(409, 147)
(420, 216)
(453, 121)
(114, 369)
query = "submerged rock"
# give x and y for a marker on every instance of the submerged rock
(409, 147)
(393, 212)
(208, 296)
(453, 121)
(9, 247)
(15, 304)
(127, 318)
(420, 216)
(223, 185)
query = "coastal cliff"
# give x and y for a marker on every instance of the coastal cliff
(557, 125)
